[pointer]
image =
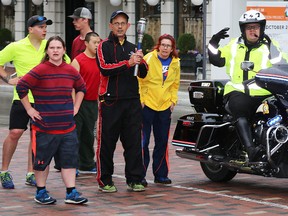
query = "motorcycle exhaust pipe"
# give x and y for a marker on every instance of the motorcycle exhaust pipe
(280, 134)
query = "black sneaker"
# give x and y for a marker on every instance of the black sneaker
(42, 197)
(75, 198)
(162, 180)
(144, 182)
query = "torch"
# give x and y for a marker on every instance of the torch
(141, 24)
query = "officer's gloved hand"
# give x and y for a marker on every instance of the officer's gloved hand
(217, 37)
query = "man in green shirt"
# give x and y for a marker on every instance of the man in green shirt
(25, 55)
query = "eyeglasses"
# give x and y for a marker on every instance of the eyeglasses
(166, 45)
(117, 24)
(252, 27)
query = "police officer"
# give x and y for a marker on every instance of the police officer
(243, 98)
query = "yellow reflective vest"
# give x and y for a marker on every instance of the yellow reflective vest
(236, 52)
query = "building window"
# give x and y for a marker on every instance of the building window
(190, 20)
(153, 17)
(31, 10)
(7, 32)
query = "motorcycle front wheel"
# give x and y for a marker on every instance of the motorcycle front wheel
(217, 173)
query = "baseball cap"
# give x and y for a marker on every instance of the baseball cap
(38, 20)
(81, 12)
(116, 13)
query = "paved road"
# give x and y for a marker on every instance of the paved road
(190, 194)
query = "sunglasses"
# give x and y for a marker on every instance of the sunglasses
(39, 19)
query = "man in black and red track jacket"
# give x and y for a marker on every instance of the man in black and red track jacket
(117, 81)
(119, 105)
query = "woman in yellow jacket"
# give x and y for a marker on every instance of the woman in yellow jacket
(158, 93)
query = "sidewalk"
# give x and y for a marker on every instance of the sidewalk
(156, 200)
(20, 200)
(190, 194)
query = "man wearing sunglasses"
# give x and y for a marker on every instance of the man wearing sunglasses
(25, 54)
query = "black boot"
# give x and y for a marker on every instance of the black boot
(245, 136)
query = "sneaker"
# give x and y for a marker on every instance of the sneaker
(107, 188)
(58, 169)
(137, 187)
(6, 180)
(162, 180)
(144, 182)
(42, 197)
(75, 198)
(92, 171)
(30, 179)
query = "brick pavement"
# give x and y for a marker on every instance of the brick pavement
(190, 194)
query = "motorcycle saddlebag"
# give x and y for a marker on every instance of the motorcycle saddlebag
(207, 95)
(188, 128)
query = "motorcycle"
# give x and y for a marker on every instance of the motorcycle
(209, 134)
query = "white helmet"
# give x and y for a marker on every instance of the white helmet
(252, 16)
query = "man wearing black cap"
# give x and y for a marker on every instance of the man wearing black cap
(81, 21)
(119, 107)
(38, 21)
(25, 54)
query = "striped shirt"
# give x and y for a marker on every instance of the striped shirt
(51, 86)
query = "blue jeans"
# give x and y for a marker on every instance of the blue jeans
(160, 122)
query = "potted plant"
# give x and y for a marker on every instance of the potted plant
(186, 45)
(147, 43)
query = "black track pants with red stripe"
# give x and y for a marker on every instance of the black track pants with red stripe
(119, 119)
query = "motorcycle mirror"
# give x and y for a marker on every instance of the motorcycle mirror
(247, 66)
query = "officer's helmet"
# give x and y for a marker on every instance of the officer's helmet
(252, 16)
